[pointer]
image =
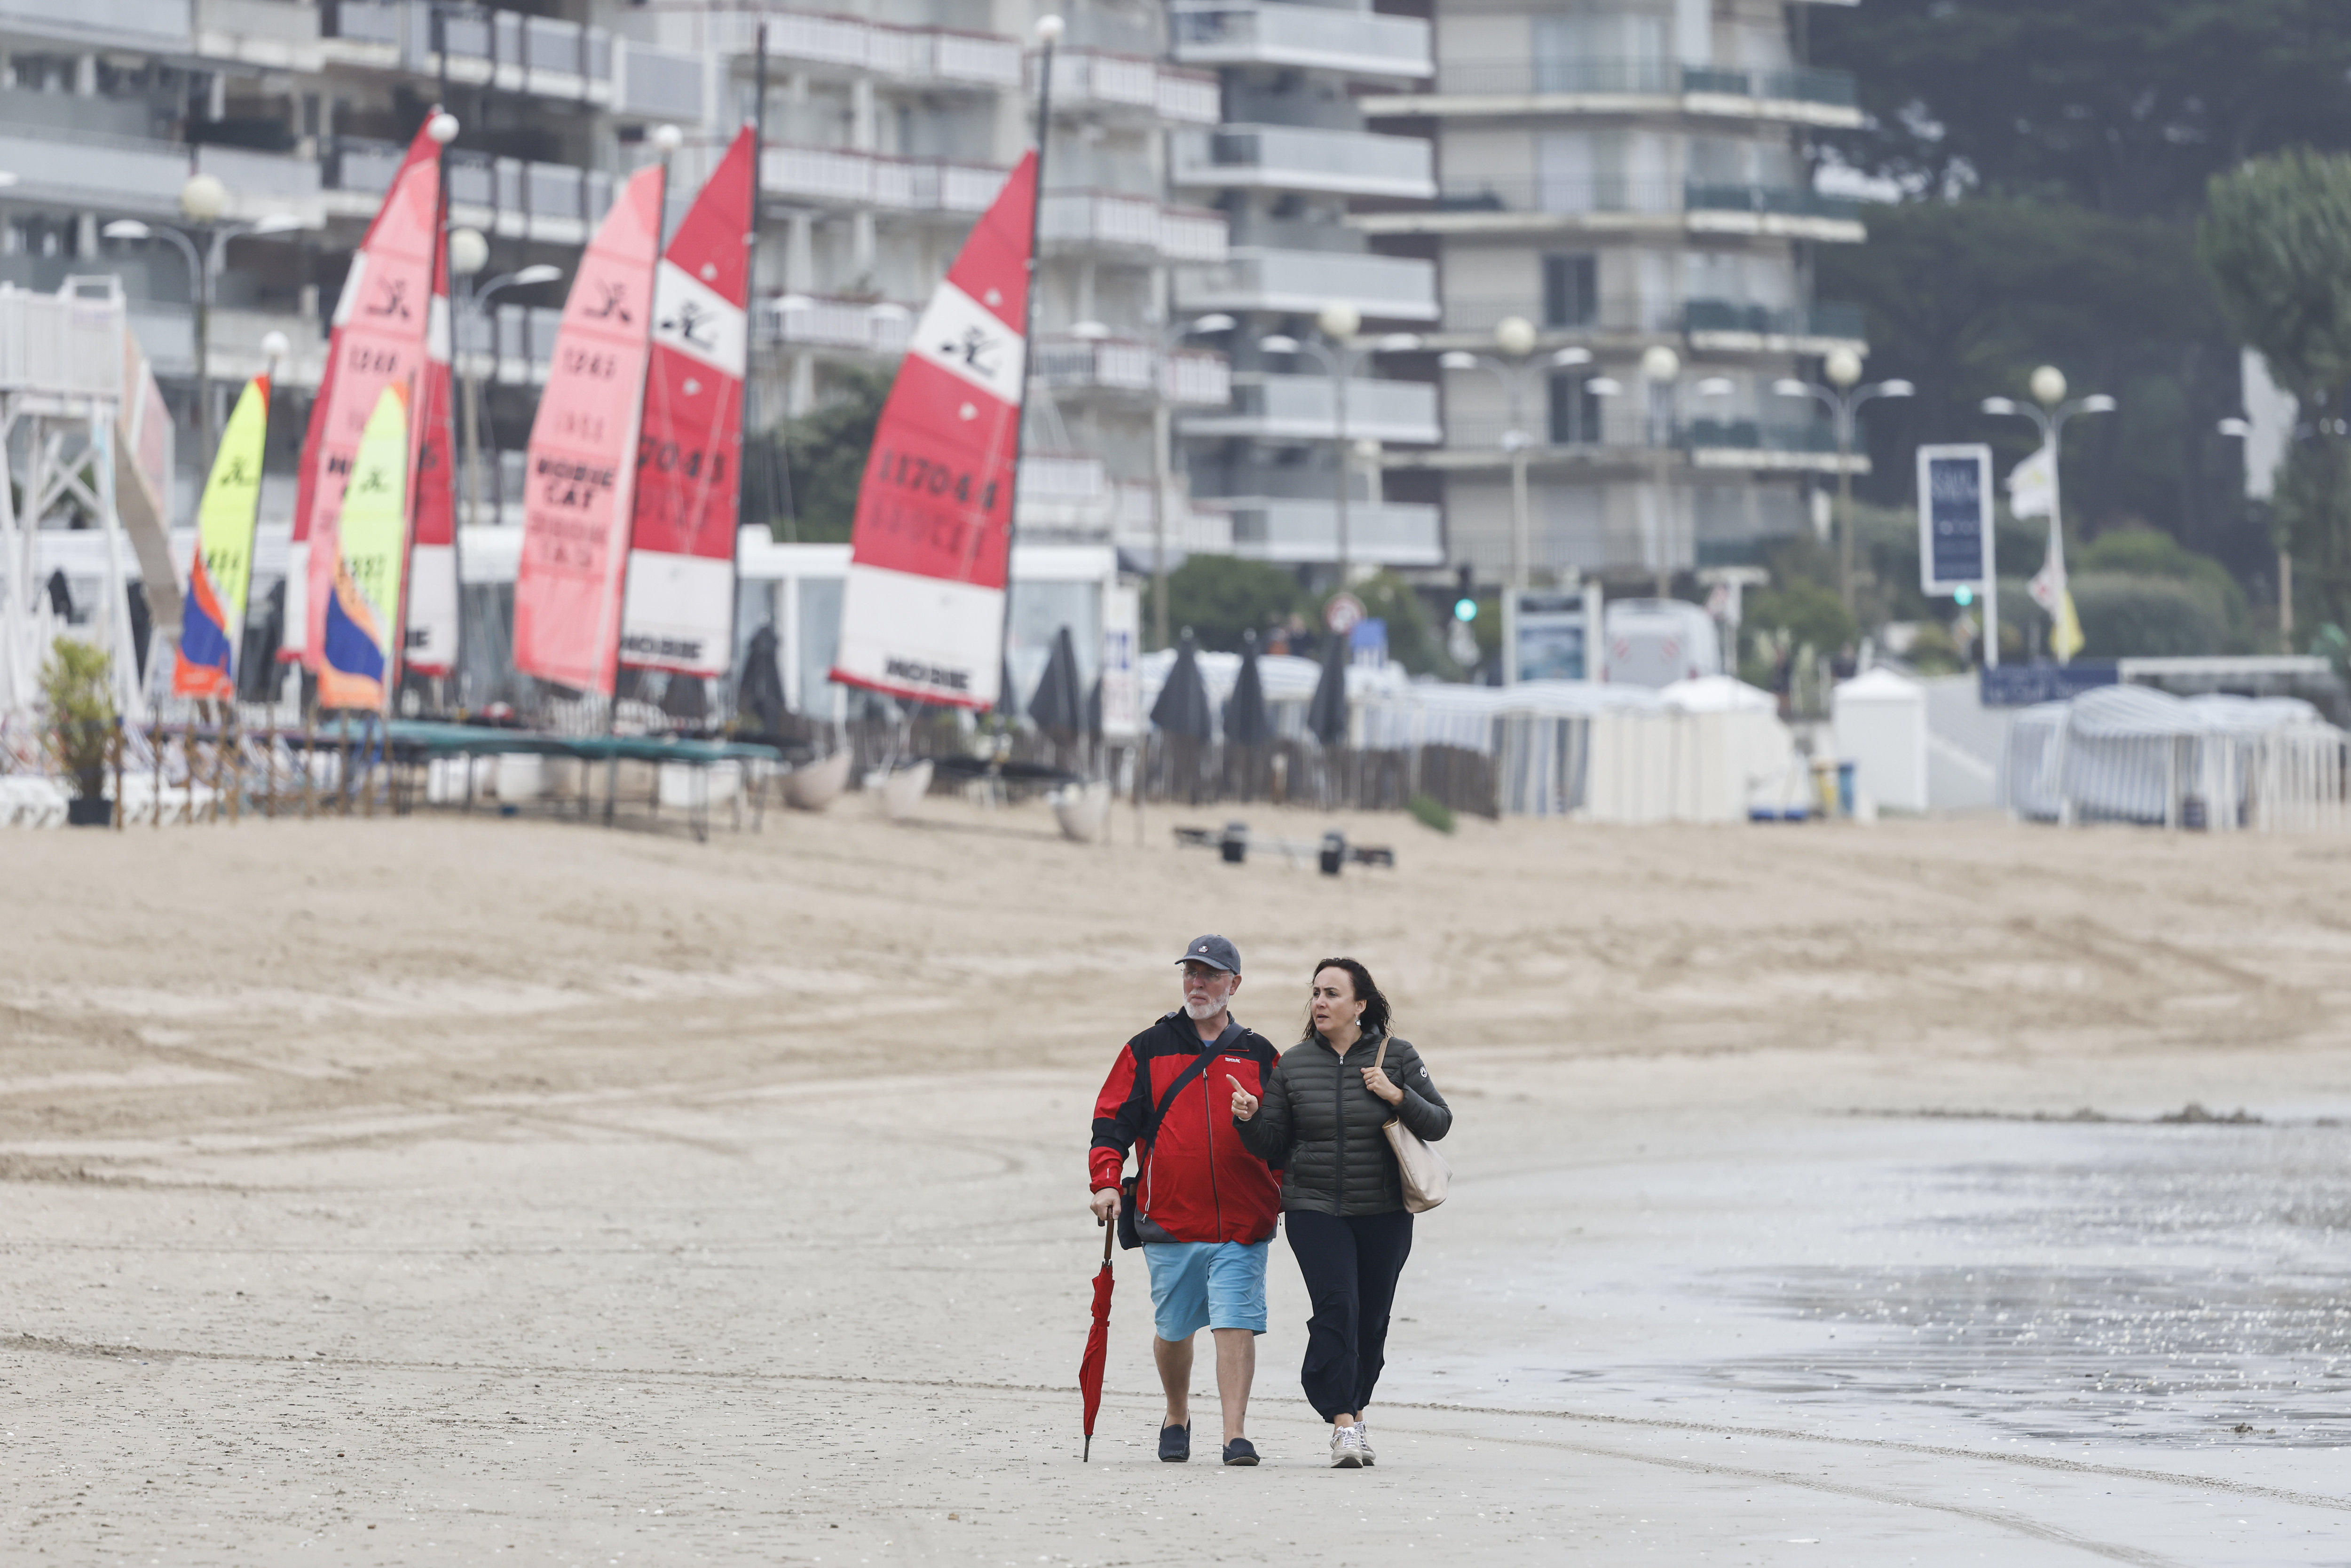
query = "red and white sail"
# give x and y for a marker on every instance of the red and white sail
(922, 614)
(678, 610)
(430, 645)
(581, 470)
(381, 325)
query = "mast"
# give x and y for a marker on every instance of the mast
(1048, 32)
(728, 696)
(666, 140)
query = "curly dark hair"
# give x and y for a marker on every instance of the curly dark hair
(1374, 1019)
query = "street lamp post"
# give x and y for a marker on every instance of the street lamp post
(2048, 411)
(1339, 321)
(1162, 435)
(468, 254)
(1515, 337)
(203, 199)
(1844, 399)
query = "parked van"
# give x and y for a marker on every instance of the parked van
(1656, 642)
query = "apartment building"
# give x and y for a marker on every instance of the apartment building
(1627, 176)
(1289, 160)
(890, 126)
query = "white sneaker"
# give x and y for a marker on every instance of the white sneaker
(1363, 1441)
(1346, 1448)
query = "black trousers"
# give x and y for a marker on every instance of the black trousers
(1351, 1267)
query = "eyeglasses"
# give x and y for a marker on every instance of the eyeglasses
(1206, 973)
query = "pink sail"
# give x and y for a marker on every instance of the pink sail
(579, 474)
(922, 613)
(380, 327)
(430, 611)
(678, 611)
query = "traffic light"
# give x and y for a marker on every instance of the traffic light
(1464, 608)
(1964, 596)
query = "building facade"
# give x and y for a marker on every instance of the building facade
(1627, 176)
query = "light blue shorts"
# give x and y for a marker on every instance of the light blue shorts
(1198, 1285)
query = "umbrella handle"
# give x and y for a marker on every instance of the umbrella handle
(1110, 1230)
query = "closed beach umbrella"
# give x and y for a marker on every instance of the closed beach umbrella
(1326, 716)
(760, 696)
(1058, 706)
(1182, 704)
(1090, 1365)
(1246, 720)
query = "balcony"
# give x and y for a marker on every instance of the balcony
(1605, 203)
(505, 50)
(554, 204)
(856, 326)
(1300, 408)
(841, 47)
(1187, 378)
(1479, 87)
(1191, 531)
(1302, 533)
(1108, 221)
(1309, 38)
(136, 175)
(1384, 288)
(1620, 433)
(1299, 157)
(1065, 492)
(1130, 87)
(131, 24)
(838, 177)
(1724, 325)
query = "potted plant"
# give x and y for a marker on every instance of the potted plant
(79, 694)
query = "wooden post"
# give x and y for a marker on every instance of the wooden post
(309, 759)
(122, 812)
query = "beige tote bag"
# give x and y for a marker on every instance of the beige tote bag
(1426, 1175)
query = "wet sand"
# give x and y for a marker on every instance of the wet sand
(426, 1191)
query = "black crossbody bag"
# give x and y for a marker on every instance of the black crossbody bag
(1128, 1236)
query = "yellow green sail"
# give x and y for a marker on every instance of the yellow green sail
(218, 579)
(363, 612)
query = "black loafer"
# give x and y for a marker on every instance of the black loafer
(1176, 1443)
(1240, 1451)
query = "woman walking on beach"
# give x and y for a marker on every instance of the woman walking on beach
(1320, 1120)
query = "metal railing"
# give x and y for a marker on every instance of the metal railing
(1570, 194)
(1132, 81)
(847, 178)
(851, 45)
(1300, 34)
(1390, 533)
(1784, 321)
(1112, 220)
(1302, 407)
(1640, 77)
(1305, 158)
(1382, 287)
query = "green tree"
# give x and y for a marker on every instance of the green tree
(75, 690)
(1221, 596)
(2276, 239)
(825, 453)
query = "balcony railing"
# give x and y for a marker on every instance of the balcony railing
(1626, 421)
(503, 186)
(1301, 408)
(847, 44)
(839, 177)
(1099, 79)
(1568, 195)
(1309, 37)
(1383, 287)
(858, 325)
(1299, 157)
(1188, 377)
(1301, 532)
(1844, 322)
(1638, 79)
(153, 21)
(142, 174)
(1108, 220)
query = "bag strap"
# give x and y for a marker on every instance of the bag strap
(1183, 1081)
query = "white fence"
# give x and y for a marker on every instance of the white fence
(2130, 754)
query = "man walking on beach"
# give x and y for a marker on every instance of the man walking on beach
(1205, 1205)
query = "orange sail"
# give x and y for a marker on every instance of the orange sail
(580, 473)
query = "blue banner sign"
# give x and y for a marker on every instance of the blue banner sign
(2021, 686)
(1954, 518)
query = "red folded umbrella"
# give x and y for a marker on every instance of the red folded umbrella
(1090, 1369)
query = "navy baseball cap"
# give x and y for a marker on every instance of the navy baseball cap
(1215, 952)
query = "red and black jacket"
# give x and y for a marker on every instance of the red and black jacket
(1197, 1180)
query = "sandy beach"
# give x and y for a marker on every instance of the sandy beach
(428, 1190)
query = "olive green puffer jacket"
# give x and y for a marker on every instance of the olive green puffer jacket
(1323, 1127)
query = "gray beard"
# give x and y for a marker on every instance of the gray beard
(1201, 1012)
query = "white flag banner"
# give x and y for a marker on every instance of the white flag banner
(2033, 486)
